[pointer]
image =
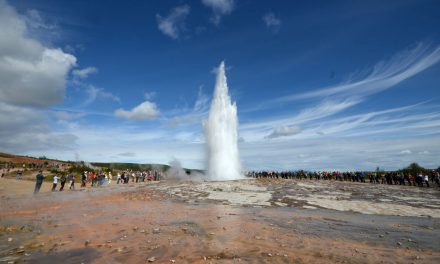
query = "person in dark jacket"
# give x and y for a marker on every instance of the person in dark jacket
(39, 181)
(63, 181)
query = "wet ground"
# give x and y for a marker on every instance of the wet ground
(248, 221)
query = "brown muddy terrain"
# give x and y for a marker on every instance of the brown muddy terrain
(247, 221)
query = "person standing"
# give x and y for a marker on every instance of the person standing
(83, 179)
(55, 183)
(72, 182)
(39, 181)
(437, 178)
(426, 180)
(63, 181)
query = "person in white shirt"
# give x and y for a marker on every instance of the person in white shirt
(118, 178)
(426, 179)
(55, 182)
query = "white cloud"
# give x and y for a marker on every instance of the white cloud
(384, 138)
(23, 129)
(33, 77)
(30, 73)
(382, 76)
(202, 102)
(339, 98)
(39, 82)
(155, 145)
(84, 73)
(220, 8)
(39, 26)
(94, 93)
(14, 118)
(284, 131)
(174, 24)
(407, 121)
(334, 152)
(145, 111)
(272, 22)
(388, 123)
(405, 152)
(34, 20)
(258, 129)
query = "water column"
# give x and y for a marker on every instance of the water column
(222, 157)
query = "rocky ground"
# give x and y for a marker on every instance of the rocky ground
(248, 221)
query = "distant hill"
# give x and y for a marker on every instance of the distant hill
(18, 161)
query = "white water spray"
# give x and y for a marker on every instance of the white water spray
(223, 162)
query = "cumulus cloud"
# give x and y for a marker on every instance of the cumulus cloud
(284, 131)
(272, 22)
(405, 152)
(174, 24)
(33, 77)
(220, 8)
(30, 73)
(38, 82)
(84, 73)
(145, 111)
(28, 129)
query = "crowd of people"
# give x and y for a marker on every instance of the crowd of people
(101, 178)
(392, 178)
(95, 179)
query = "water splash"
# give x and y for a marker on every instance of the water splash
(223, 162)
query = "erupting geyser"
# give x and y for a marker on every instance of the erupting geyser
(221, 133)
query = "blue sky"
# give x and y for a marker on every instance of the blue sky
(318, 84)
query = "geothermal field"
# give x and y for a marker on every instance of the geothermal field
(248, 221)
